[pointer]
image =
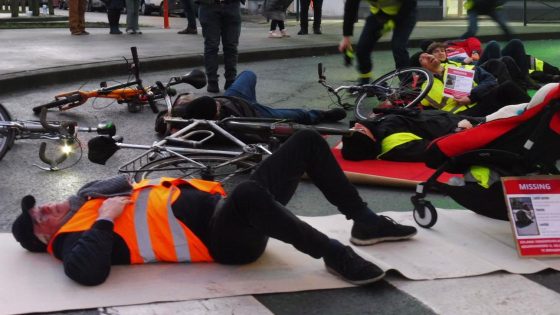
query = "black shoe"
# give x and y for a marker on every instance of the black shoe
(345, 263)
(188, 30)
(115, 32)
(228, 84)
(386, 229)
(302, 32)
(317, 31)
(334, 115)
(213, 87)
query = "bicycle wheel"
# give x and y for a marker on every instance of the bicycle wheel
(219, 168)
(7, 135)
(402, 88)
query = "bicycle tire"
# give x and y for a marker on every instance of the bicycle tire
(53, 104)
(408, 87)
(229, 175)
(7, 135)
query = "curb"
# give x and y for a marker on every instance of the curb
(22, 80)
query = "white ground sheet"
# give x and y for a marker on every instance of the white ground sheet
(461, 244)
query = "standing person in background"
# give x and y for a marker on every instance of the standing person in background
(386, 15)
(188, 7)
(275, 10)
(76, 17)
(114, 9)
(132, 11)
(304, 16)
(220, 19)
(492, 8)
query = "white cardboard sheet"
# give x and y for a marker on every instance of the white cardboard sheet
(461, 244)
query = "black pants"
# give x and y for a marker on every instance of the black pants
(255, 209)
(507, 93)
(304, 15)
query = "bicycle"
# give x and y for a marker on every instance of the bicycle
(185, 151)
(403, 88)
(63, 131)
(134, 97)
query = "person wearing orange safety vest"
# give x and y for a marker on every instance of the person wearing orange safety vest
(111, 222)
(486, 96)
(385, 15)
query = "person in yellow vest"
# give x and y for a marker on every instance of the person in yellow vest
(485, 97)
(491, 8)
(386, 15)
(110, 222)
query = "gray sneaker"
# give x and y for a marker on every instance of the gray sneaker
(348, 265)
(386, 229)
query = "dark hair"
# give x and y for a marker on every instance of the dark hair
(203, 107)
(357, 147)
(435, 45)
(415, 59)
(22, 229)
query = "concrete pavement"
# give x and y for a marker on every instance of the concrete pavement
(32, 57)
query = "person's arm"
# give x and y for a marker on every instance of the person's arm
(485, 82)
(87, 256)
(412, 151)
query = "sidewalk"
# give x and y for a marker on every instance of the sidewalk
(31, 57)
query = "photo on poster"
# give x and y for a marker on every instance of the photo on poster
(524, 216)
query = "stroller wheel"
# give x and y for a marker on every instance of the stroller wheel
(425, 214)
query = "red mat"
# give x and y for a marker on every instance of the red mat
(386, 172)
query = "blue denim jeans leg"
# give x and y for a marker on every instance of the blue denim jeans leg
(220, 22)
(244, 87)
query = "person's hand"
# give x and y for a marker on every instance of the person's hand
(464, 124)
(463, 100)
(475, 56)
(345, 43)
(112, 207)
(467, 60)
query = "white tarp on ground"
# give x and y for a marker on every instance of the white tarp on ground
(461, 244)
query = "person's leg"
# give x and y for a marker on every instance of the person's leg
(244, 86)
(74, 16)
(403, 28)
(82, 15)
(516, 50)
(136, 11)
(317, 15)
(369, 37)
(130, 15)
(513, 68)
(473, 24)
(209, 18)
(231, 29)
(297, 115)
(498, 15)
(281, 25)
(507, 93)
(498, 69)
(304, 16)
(273, 25)
(190, 14)
(491, 51)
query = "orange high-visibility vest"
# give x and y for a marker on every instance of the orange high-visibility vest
(147, 225)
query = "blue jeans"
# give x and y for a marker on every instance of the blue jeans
(244, 87)
(371, 33)
(220, 21)
(497, 15)
(188, 7)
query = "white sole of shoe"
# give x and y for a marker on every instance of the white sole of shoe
(360, 242)
(356, 282)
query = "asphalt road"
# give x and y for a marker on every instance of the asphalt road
(282, 83)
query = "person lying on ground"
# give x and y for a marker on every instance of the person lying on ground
(486, 95)
(503, 69)
(95, 228)
(240, 100)
(403, 134)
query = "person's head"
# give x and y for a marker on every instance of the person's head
(37, 224)
(203, 107)
(360, 145)
(438, 50)
(425, 43)
(430, 62)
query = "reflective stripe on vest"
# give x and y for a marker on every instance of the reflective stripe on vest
(396, 139)
(389, 7)
(535, 65)
(148, 225)
(481, 175)
(436, 99)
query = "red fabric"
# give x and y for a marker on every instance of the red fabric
(479, 137)
(469, 44)
(415, 171)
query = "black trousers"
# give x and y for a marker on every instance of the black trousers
(507, 93)
(255, 209)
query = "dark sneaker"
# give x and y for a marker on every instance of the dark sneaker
(334, 115)
(385, 230)
(188, 31)
(348, 265)
(317, 31)
(302, 32)
(213, 87)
